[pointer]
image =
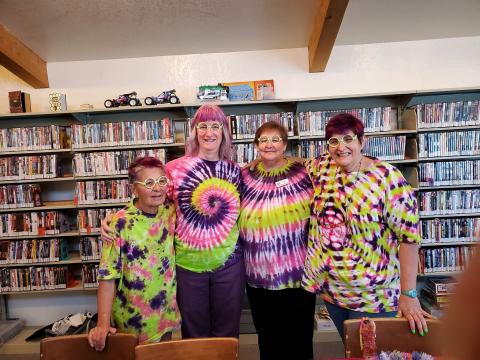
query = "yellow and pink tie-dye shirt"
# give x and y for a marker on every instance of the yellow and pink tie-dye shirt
(207, 200)
(358, 221)
(141, 260)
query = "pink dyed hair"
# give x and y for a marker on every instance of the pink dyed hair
(204, 113)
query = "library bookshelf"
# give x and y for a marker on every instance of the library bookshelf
(87, 152)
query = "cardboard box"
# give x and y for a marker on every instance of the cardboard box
(58, 102)
(19, 102)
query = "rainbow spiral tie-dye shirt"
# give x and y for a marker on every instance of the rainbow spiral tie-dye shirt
(358, 222)
(207, 199)
(273, 225)
(141, 260)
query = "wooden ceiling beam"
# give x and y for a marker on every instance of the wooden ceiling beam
(19, 59)
(327, 23)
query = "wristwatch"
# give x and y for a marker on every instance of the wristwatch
(411, 293)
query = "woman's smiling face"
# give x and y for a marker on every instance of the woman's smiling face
(348, 150)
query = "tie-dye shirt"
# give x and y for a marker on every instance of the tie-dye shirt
(141, 260)
(207, 199)
(358, 222)
(273, 225)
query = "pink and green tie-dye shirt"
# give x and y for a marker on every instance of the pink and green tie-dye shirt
(358, 222)
(207, 200)
(273, 225)
(142, 261)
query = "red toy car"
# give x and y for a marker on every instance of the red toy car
(123, 100)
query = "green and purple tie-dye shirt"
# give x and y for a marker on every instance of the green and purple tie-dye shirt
(273, 225)
(142, 261)
(207, 200)
(358, 222)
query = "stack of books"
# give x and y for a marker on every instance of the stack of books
(435, 295)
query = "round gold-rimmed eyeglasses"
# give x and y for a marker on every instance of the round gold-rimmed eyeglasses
(150, 183)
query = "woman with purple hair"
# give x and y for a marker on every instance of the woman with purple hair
(363, 240)
(137, 286)
(206, 192)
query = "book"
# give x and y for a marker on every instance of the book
(431, 309)
(240, 91)
(264, 90)
(442, 285)
(441, 301)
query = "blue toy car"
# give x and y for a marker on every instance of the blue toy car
(166, 96)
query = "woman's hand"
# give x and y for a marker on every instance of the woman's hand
(410, 309)
(107, 233)
(98, 335)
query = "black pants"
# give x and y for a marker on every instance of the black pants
(284, 322)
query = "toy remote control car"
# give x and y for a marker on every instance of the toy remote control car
(166, 96)
(123, 100)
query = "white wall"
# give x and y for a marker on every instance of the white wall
(352, 70)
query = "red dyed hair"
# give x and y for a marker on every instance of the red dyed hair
(343, 123)
(204, 113)
(271, 125)
(141, 163)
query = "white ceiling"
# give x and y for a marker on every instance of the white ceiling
(67, 30)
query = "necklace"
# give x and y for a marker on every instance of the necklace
(348, 199)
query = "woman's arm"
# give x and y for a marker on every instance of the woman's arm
(407, 306)
(107, 233)
(98, 335)
(401, 213)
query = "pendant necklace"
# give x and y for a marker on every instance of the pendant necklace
(348, 200)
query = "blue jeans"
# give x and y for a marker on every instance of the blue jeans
(339, 315)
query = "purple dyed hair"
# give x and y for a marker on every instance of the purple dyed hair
(204, 113)
(142, 163)
(343, 123)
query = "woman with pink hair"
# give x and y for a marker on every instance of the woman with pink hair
(205, 187)
(206, 192)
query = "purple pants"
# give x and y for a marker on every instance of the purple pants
(211, 302)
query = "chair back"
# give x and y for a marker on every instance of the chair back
(76, 347)
(190, 349)
(394, 334)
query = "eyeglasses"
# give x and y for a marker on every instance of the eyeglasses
(275, 139)
(345, 140)
(150, 183)
(203, 127)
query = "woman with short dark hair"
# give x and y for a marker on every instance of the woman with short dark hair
(363, 238)
(273, 225)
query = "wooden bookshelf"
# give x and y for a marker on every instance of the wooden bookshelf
(449, 243)
(68, 177)
(34, 152)
(74, 258)
(47, 206)
(127, 147)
